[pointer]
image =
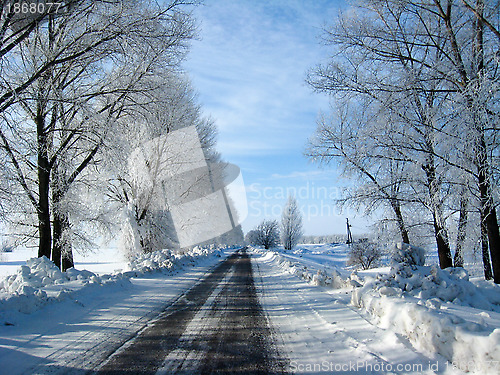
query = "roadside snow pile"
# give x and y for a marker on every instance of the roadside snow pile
(40, 272)
(169, 260)
(327, 276)
(321, 277)
(148, 262)
(40, 281)
(27, 290)
(407, 254)
(439, 311)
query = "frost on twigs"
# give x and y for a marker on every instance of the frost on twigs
(364, 254)
(408, 255)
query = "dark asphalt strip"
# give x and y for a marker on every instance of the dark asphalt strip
(239, 341)
(147, 351)
(242, 341)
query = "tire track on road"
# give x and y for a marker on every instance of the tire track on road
(145, 353)
(217, 327)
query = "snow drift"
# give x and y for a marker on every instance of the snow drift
(40, 282)
(439, 311)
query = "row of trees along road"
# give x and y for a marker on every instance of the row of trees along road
(416, 89)
(269, 232)
(80, 88)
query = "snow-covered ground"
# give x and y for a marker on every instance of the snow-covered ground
(398, 320)
(424, 321)
(72, 321)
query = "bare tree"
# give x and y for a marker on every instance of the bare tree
(432, 66)
(98, 62)
(364, 254)
(267, 234)
(291, 224)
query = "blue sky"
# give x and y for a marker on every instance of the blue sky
(249, 67)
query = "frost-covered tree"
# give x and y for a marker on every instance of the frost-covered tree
(165, 168)
(252, 237)
(291, 224)
(15, 29)
(87, 69)
(350, 140)
(431, 70)
(267, 234)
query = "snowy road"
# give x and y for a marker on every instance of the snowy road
(218, 326)
(250, 317)
(242, 315)
(323, 334)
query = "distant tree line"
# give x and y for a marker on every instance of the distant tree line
(330, 239)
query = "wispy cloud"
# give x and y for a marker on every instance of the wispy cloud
(249, 67)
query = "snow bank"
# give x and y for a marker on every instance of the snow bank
(439, 311)
(327, 276)
(40, 282)
(169, 260)
(319, 277)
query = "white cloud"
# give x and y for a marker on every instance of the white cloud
(249, 67)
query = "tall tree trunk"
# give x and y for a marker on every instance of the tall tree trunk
(62, 247)
(489, 215)
(67, 256)
(493, 241)
(62, 252)
(458, 260)
(488, 212)
(443, 245)
(57, 232)
(43, 170)
(440, 231)
(488, 273)
(400, 220)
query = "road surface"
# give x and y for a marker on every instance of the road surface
(217, 327)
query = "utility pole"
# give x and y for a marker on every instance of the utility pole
(349, 234)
